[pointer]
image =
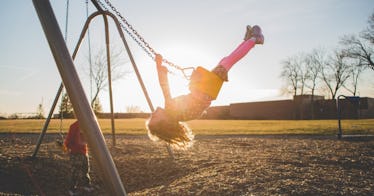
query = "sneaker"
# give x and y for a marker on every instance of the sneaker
(248, 33)
(257, 33)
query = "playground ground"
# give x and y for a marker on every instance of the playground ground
(215, 165)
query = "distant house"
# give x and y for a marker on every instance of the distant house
(299, 108)
(275, 110)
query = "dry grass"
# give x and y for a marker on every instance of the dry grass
(207, 127)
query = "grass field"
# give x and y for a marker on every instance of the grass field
(206, 127)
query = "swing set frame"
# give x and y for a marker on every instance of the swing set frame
(74, 89)
(105, 15)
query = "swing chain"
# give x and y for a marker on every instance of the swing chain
(127, 31)
(139, 39)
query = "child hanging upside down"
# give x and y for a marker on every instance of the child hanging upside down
(167, 124)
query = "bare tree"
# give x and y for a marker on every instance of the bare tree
(355, 74)
(314, 62)
(291, 74)
(361, 48)
(133, 109)
(97, 107)
(100, 71)
(336, 72)
(304, 72)
(368, 33)
(355, 48)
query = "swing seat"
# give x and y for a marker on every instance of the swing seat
(206, 82)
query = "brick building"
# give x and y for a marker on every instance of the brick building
(299, 108)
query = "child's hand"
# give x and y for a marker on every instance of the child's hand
(161, 69)
(158, 60)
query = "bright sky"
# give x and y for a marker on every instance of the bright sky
(188, 33)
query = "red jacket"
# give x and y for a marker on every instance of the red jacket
(74, 141)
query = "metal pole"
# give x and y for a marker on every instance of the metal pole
(135, 67)
(86, 117)
(45, 127)
(340, 133)
(94, 2)
(109, 77)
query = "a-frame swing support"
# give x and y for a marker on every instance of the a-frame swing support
(83, 33)
(82, 108)
(59, 91)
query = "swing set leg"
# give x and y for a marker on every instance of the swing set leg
(81, 106)
(46, 124)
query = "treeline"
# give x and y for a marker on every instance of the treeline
(327, 72)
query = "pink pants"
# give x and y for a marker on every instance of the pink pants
(237, 54)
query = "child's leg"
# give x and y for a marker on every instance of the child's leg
(86, 170)
(237, 54)
(75, 164)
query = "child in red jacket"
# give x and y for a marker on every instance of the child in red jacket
(167, 123)
(80, 166)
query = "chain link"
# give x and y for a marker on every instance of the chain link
(137, 37)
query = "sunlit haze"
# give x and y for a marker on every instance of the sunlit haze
(187, 33)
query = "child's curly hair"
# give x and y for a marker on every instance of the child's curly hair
(161, 126)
